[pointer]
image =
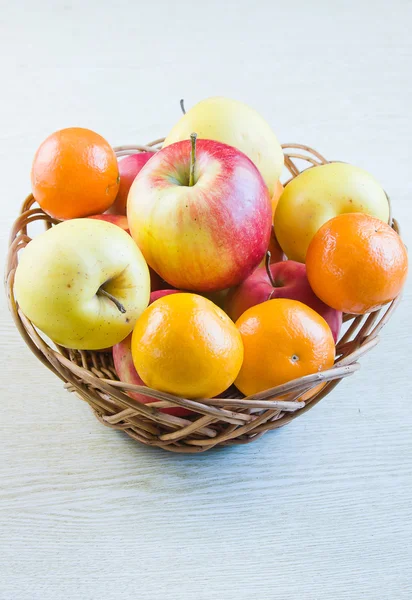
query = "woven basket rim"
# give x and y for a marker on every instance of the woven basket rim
(232, 419)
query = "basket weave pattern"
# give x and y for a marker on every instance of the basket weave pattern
(228, 420)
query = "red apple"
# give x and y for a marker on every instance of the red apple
(119, 220)
(125, 369)
(129, 167)
(285, 279)
(201, 216)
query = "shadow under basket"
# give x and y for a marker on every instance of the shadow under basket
(232, 419)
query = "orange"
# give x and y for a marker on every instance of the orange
(186, 345)
(283, 340)
(75, 174)
(356, 263)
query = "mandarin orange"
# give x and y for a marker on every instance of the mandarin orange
(356, 263)
(283, 340)
(75, 174)
(185, 345)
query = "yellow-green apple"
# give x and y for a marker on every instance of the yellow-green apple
(126, 371)
(285, 279)
(234, 123)
(201, 216)
(319, 194)
(129, 167)
(119, 220)
(83, 283)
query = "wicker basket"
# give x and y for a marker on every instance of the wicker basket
(224, 421)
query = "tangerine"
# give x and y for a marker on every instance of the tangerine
(185, 345)
(356, 263)
(283, 340)
(75, 174)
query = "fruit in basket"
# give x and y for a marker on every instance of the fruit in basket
(185, 345)
(125, 369)
(206, 234)
(283, 340)
(83, 283)
(356, 263)
(119, 220)
(285, 279)
(129, 167)
(320, 193)
(75, 174)
(234, 123)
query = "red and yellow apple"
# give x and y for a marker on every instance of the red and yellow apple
(206, 236)
(129, 167)
(285, 279)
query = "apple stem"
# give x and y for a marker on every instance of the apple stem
(268, 271)
(113, 299)
(193, 137)
(182, 106)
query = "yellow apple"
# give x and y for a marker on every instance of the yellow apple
(319, 194)
(234, 123)
(83, 283)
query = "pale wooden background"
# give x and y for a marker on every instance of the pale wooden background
(320, 510)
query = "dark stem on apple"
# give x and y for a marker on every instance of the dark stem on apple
(182, 106)
(193, 137)
(115, 301)
(268, 271)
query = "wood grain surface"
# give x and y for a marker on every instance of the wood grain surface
(320, 510)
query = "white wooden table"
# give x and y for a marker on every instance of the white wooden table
(320, 510)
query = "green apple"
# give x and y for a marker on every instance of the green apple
(234, 123)
(83, 283)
